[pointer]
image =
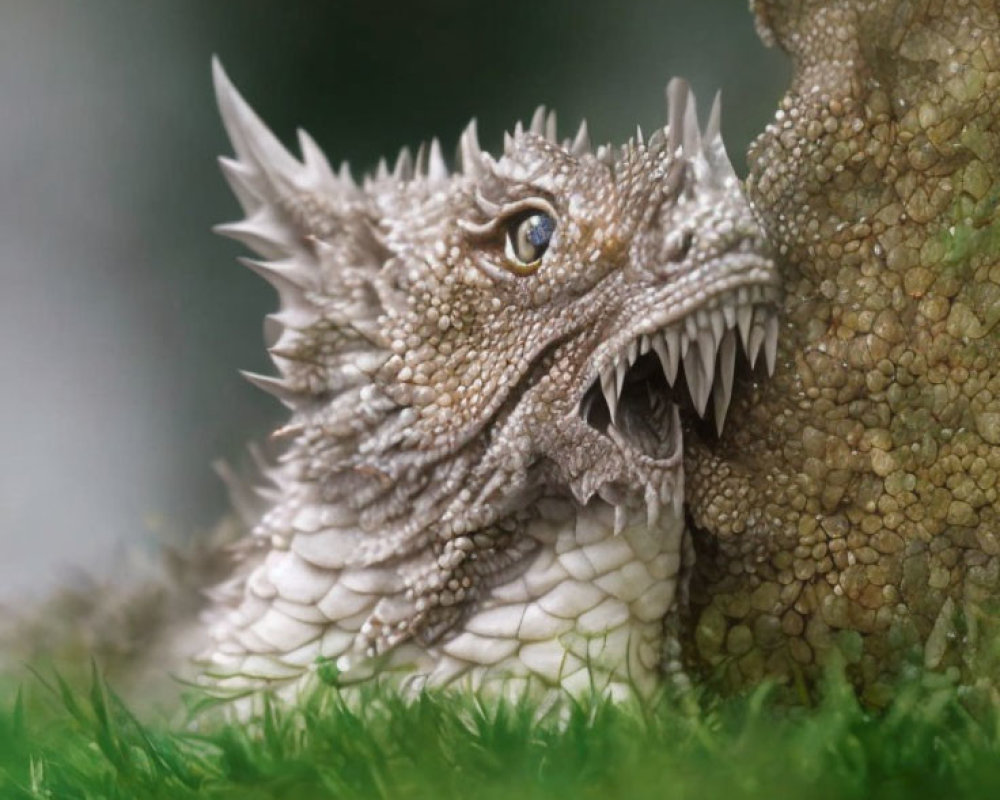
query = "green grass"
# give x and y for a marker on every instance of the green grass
(934, 740)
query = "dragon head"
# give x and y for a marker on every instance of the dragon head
(455, 345)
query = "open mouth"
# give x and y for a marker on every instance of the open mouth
(680, 364)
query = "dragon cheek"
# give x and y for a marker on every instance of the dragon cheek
(613, 247)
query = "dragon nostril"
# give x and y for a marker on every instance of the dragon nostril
(679, 244)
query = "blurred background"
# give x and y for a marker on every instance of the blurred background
(123, 320)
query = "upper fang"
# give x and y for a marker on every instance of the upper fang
(608, 388)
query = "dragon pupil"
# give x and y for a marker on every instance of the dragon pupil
(540, 227)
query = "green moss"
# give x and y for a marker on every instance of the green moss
(973, 230)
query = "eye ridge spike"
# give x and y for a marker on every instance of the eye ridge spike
(581, 143)
(537, 125)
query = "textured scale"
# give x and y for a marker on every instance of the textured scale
(482, 478)
(854, 505)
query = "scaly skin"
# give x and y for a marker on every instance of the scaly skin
(854, 502)
(453, 502)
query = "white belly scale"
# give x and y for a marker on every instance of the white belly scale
(587, 614)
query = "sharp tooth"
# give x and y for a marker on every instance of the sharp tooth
(756, 340)
(608, 388)
(698, 384)
(644, 344)
(675, 426)
(707, 347)
(652, 507)
(685, 343)
(722, 391)
(771, 343)
(621, 368)
(720, 404)
(585, 406)
(691, 326)
(729, 315)
(679, 491)
(619, 519)
(633, 352)
(662, 350)
(718, 324)
(727, 362)
(744, 317)
(666, 493)
(668, 348)
(652, 514)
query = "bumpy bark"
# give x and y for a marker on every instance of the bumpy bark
(854, 501)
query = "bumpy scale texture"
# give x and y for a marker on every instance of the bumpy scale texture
(482, 476)
(854, 502)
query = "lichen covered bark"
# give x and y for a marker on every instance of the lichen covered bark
(853, 503)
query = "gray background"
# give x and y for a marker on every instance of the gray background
(123, 320)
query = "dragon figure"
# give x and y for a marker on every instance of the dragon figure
(496, 466)
(485, 367)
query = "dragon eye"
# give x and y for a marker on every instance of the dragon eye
(528, 237)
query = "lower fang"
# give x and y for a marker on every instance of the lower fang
(771, 343)
(679, 494)
(756, 340)
(652, 507)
